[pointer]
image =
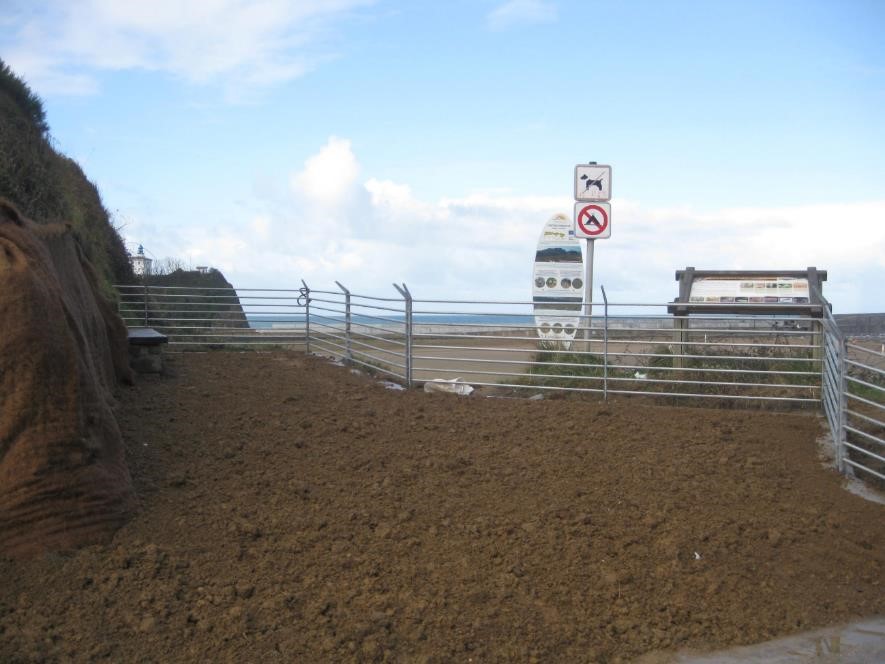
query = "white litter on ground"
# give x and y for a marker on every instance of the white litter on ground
(452, 386)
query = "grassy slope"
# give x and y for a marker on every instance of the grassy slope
(48, 186)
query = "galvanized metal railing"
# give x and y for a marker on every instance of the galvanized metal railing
(640, 349)
(853, 400)
(832, 379)
(197, 316)
(369, 332)
(863, 409)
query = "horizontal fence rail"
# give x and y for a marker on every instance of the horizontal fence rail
(623, 349)
(367, 332)
(774, 359)
(210, 317)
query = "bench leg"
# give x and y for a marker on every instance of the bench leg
(146, 359)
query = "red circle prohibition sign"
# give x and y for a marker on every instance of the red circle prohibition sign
(593, 220)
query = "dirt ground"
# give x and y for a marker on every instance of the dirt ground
(292, 511)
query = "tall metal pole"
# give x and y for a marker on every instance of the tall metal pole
(348, 350)
(410, 331)
(605, 346)
(588, 290)
(407, 356)
(305, 292)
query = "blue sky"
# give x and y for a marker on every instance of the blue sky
(428, 142)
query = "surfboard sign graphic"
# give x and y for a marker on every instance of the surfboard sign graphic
(558, 281)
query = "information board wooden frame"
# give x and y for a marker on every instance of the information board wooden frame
(681, 306)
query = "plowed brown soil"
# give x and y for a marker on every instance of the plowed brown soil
(295, 512)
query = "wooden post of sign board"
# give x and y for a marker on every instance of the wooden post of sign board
(680, 338)
(680, 324)
(816, 328)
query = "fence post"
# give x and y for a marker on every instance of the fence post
(305, 293)
(680, 339)
(819, 350)
(407, 296)
(816, 329)
(348, 349)
(145, 305)
(604, 346)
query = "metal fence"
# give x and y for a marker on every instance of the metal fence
(863, 410)
(369, 332)
(756, 359)
(210, 317)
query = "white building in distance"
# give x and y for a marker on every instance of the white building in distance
(141, 264)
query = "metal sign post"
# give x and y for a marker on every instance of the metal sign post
(593, 190)
(588, 290)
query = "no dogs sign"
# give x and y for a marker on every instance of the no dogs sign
(593, 220)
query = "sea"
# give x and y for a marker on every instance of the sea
(267, 321)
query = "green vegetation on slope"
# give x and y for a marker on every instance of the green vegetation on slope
(48, 186)
(185, 303)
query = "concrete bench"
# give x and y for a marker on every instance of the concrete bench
(145, 349)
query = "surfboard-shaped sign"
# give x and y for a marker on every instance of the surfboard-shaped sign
(558, 281)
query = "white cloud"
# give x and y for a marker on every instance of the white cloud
(521, 12)
(846, 239)
(242, 44)
(261, 226)
(329, 177)
(46, 74)
(395, 202)
(367, 233)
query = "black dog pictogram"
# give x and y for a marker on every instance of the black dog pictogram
(590, 182)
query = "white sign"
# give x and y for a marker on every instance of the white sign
(749, 290)
(593, 182)
(558, 282)
(593, 220)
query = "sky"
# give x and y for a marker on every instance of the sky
(372, 142)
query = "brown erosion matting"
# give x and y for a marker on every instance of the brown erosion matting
(63, 477)
(293, 511)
